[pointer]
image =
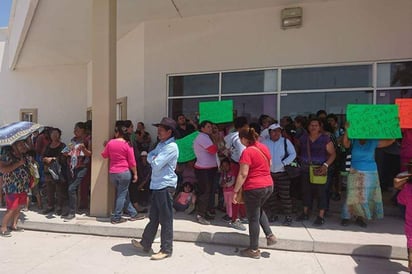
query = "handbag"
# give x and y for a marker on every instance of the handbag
(55, 170)
(293, 169)
(314, 178)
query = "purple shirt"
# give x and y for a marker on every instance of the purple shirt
(318, 152)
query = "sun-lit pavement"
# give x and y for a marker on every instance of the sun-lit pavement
(43, 252)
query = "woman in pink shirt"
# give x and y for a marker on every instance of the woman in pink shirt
(122, 170)
(205, 169)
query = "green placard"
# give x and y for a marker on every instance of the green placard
(217, 111)
(373, 122)
(185, 146)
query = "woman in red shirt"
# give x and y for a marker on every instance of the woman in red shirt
(254, 177)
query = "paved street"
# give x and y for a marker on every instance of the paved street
(43, 252)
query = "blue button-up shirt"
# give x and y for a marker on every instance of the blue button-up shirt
(277, 151)
(163, 160)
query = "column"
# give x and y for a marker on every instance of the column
(103, 101)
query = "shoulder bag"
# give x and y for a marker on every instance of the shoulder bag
(314, 178)
(293, 169)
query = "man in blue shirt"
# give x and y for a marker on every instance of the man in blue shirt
(163, 160)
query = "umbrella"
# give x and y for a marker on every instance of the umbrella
(17, 131)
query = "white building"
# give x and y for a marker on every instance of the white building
(171, 54)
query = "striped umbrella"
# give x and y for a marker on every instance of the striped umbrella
(17, 131)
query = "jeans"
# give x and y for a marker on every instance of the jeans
(254, 200)
(121, 182)
(161, 212)
(79, 174)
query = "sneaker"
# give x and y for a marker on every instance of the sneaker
(5, 234)
(237, 225)
(137, 217)
(302, 217)
(344, 222)
(209, 216)
(118, 221)
(271, 240)
(202, 220)
(70, 216)
(288, 221)
(319, 221)
(255, 254)
(360, 222)
(160, 256)
(226, 218)
(244, 220)
(48, 210)
(140, 248)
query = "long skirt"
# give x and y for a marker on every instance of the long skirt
(364, 196)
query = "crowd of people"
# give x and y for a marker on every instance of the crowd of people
(241, 168)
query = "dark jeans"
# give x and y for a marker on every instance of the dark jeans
(161, 212)
(205, 179)
(56, 192)
(79, 174)
(254, 200)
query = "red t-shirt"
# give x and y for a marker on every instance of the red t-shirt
(259, 167)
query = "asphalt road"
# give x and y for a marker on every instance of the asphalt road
(43, 252)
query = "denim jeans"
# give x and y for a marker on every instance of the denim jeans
(161, 212)
(121, 182)
(79, 174)
(254, 200)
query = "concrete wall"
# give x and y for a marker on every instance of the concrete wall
(130, 72)
(58, 92)
(332, 32)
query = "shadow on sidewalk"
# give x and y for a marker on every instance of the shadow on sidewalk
(366, 265)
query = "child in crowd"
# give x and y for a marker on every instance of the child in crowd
(227, 181)
(34, 182)
(186, 199)
(403, 181)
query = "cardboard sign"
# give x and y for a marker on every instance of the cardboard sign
(217, 111)
(405, 112)
(373, 122)
(185, 146)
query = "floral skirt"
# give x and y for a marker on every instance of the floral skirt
(364, 196)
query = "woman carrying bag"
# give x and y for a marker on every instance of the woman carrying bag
(255, 180)
(317, 153)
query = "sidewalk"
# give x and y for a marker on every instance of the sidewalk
(383, 238)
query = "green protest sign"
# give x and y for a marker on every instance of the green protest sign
(373, 122)
(216, 111)
(185, 146)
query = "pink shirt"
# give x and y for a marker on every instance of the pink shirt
(121, 155)
(204, 157)
(405, 198)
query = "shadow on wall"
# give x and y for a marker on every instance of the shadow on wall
(383, 264)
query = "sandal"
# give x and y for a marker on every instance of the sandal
(5, 233)
(17, 229)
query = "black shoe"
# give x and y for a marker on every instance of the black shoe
(319, 221)
(226, 218)
(302, 217)
(344, 222)
(70, 216)
(118, 221)
(360, 222)
(48, 210)
(58, 212)
(287, 221)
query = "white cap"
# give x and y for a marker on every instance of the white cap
(274, 126)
